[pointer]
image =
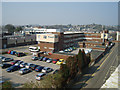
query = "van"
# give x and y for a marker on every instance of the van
(34, 49)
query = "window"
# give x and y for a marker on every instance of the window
(44, 37)
(38, 36)
(45, 47)
(56, 36)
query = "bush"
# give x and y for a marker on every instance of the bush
(7, 84)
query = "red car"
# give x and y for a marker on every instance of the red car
(9, 51)
(55, 61)
(15, 61)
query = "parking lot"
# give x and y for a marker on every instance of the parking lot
(18, 79)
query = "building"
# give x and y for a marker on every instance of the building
(118, 36)
(17, 40)
(56, 41)
(37, 30)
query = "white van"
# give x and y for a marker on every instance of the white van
(34, 49)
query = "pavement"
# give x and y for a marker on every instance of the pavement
(95, 76)
(17, 79)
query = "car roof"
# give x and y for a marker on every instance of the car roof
(46, 67)
(40, 74)
(23, 68)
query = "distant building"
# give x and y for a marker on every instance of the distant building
(118, 36)
(17, 40)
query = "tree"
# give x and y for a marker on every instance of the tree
(84, 59)
(10, 28)
(80, 60)
(18, 29)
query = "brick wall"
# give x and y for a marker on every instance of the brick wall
(56, 56)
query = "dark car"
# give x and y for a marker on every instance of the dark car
(13, 68)
(40, 58)
(39, 69)
(33, 66)
(34, 58)
(20, 54)
(5, 65)
(15, 61)
(45, 59)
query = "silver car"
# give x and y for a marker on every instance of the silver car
(24, 70)
(7, 59)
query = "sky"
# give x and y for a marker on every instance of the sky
(49, 13)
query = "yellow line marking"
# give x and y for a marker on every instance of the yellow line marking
(101, 65)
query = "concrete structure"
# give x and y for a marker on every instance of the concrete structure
(12, 40)
(118, 36)
(39, 30)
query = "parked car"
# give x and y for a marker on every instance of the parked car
(47, 70)
(33, 66)
(55, 61)
(29, 65)
(44, 59)
(9, 51)
(61, 51)
(49, 60)
(18, 63)
(34, 58)
(13, 68)
(13, 52)
(60, 61)
(14, 62)
(23, 64)
(56, 71)
(20, 54)
(5, 65)
(39, 76)
(2, 57)
(7, 59)
(24, 70)
(40, 58)
(39, 69)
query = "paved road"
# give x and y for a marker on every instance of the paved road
(17, 79)
(96, 75)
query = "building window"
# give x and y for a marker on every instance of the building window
(44, 37)
(45, 47)
(56, 36)
(38, 36)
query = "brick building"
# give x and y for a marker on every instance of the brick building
(56, 41)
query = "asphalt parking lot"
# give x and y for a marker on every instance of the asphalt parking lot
(18, 79)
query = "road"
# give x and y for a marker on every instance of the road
(96, 76)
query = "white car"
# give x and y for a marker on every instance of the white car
(49, 60)
(61, 51)
(47, 70)
(28, 65)
(18, 63)
(39, 76)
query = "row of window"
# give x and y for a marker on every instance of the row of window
(49, 48)
(80, 35)
(45, 37)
